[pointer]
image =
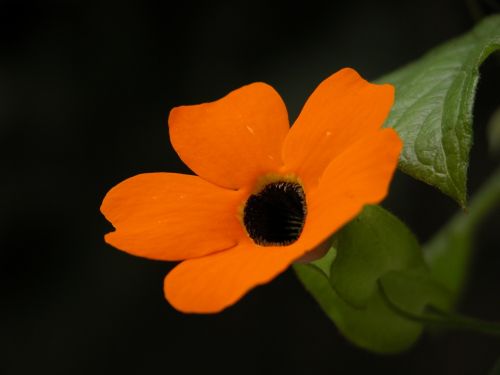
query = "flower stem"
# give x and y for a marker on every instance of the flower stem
(433, 316)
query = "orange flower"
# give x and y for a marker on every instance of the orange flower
(265, 194)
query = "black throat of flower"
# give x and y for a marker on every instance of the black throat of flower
(275, 215)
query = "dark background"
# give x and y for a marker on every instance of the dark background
(85, 91)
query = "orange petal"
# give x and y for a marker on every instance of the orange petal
(214, 282)
(233, 140)
(169, 216)
(359, 176)
(343, 109)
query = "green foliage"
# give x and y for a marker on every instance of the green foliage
(412, 292)
(376, 327)
(376, 283)
(324, 264)
(448, 253)
(433, 108)
(371, 245)
(377, 271)
(376, 286)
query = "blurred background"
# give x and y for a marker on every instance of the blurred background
(85, 91)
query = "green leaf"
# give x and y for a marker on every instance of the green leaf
(324, 264)
(433, 108)
(420, 298)
(371, 245)
(448, 253)
(412, 292)
(376, 327)
(376, 286)
(372, 250)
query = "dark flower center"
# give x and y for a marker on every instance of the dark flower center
(276, 214)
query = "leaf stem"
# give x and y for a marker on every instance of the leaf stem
(433, 316)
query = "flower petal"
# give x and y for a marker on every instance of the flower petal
(343, 109)
(359, 176)
(214, 282)
(170, 216)
(233, 140)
